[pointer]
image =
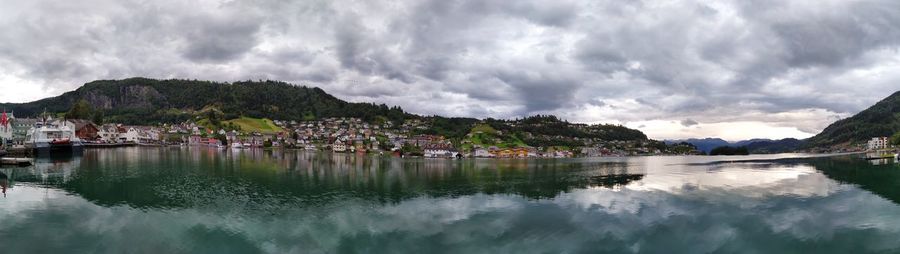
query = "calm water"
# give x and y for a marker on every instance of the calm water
(182, 200)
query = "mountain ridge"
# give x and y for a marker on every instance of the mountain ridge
(757, 145)
(879, 120)
(145, 101)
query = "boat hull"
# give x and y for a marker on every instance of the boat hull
(50, 147)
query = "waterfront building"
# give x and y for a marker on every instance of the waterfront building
(338, 146)
(108, 133)
(20, 127)
(483, 153)
(6, 132)
(878, 143)
(439, 151)
(86, 130)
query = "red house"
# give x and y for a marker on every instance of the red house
(86, 130)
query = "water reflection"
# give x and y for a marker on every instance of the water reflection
(4, 182)
(182, 200)
(882, 179)
(191, 177)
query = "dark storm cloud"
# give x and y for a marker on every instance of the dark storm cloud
(541, 91)
(625, 61)
(218, 39)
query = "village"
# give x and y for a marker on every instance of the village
(340, 135)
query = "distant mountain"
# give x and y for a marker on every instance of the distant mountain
(750, 141)
(753, 145)
(774, 146)
(879, 120)
(705, 144)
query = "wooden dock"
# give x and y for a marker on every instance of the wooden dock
(879, 156)
(20, 152)
(21, 162)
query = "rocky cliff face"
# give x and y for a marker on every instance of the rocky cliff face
(128, 97)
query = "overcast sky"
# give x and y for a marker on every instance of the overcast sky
(673, 69)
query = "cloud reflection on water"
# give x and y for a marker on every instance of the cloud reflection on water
(437, 208)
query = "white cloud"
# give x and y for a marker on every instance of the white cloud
(730, 66)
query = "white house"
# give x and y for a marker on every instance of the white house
(483, 153)
(338, 146)
(131, 135)
(878, 143)
(439, 151)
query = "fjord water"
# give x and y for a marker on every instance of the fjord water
(193, 200)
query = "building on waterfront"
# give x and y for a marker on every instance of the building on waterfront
(439, 151)
(20, 127)
(128, 135)
(878, 143)
(338, 146)
(6, 132)
(483, 153)
(518, 152)
(194, 140)
(86, 130)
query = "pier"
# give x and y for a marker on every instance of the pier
(21, 162)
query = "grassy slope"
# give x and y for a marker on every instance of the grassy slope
(249, 124)
(484, 136)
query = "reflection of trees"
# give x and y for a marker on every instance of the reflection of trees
(883, 180)
(184, 177)
(612, 181)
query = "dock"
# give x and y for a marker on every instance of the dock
(879, 156)
(20, 151)
(21, 162)
(108, 145)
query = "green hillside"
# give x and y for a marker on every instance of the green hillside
(249, 105)
(247, 124)
(484, 135)
(882, 119)
(147, 101)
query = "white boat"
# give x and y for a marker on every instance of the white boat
(310, 147)
(237, 145)
(51, 136)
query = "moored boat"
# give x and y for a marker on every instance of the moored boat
(51, 137)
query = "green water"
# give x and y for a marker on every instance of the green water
(183, 200)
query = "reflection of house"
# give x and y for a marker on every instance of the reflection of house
(878, 143)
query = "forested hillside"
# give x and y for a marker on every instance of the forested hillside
(881, 119)
(146, 101)
(149, 101)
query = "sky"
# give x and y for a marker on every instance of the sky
(733, 69)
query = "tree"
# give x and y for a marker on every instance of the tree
(727, 150)
(80, 110)
(895, 139)
(98, 117)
